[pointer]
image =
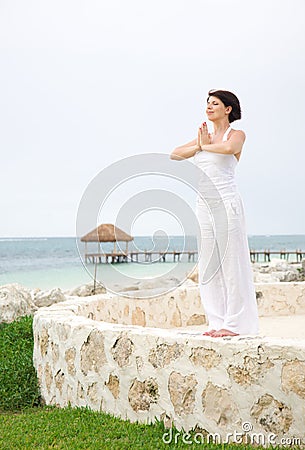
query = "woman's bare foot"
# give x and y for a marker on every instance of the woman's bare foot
(223, 332)
(209, 333)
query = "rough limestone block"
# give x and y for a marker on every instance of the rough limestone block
(182, 390)
(113, 384)
(164, 354)
(15, 301)
(218, 405)
(205, 357)
(48, 298)
(70, 355)
(138, 317)
(92, 353)
(121, 350)
(293, 377)
(142, 394)
(251, 370)
(274, 416)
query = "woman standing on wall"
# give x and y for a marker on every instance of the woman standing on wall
(228, 296)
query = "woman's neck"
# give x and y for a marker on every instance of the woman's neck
(221, 127)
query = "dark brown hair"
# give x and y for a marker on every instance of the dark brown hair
(228, 99)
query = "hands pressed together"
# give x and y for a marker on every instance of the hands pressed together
(204, 137)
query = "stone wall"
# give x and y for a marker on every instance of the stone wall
(179, 307)
(280, 299)
(182, 307)
(181, 377)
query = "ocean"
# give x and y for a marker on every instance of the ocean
(51, 262)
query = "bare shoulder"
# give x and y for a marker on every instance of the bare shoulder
(240, 134)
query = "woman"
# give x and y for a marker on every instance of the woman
(224, 267)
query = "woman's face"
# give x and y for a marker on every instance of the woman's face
(216, 109)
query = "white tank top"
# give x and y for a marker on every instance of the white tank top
(218, 173)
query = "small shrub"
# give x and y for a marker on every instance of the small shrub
(18, 380)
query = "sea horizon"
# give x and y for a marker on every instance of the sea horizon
(141, 235)
(46, 262)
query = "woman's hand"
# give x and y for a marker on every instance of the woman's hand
(191, 148)
(204, 137)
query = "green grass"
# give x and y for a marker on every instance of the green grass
(82, 429)
(26, 424)
(18, 381)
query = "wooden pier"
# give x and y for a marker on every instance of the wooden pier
(135, 256)
(175, 256)
(283, 254)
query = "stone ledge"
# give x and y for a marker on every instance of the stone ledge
(143, 373)
(181, 307)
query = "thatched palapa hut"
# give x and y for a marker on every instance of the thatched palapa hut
(107, 232)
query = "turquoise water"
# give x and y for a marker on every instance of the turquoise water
(56, 262)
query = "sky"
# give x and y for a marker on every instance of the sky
(86, 84)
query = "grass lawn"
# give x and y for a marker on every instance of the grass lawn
(26, 424)
(80, 428)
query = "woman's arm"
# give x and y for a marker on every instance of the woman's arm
(188, 150)
(185, 151)
(231, 146)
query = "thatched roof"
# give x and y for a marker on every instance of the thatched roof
(106, 232)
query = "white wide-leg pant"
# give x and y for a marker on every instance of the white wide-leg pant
(224, 266)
